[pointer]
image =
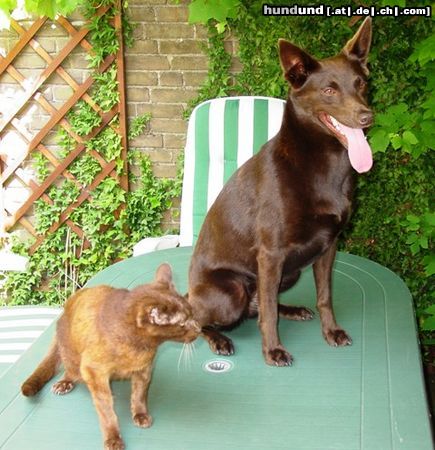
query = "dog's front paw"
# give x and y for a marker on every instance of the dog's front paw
(62, 387)
(143, 420)
(222, 346)
(114, 443)
(278, 357)
(337, 337)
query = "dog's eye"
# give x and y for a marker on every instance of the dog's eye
(329, 91)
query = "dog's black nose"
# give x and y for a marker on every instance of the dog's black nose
(366, 118)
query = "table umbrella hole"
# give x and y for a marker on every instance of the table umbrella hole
(218, 366)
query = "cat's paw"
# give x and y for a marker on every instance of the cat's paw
(114, 443)
(278, 357)
(143, 420)
(337, 337)
(62, 387)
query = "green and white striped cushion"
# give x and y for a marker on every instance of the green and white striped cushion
(222, 134)
(20, 326)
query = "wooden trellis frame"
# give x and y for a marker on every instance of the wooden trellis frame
(34, 143)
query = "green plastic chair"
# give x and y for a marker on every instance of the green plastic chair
(20, 327)
(222, 134)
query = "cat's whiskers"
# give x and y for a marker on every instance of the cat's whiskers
(186, 356)
(181, 356)
(191, 348)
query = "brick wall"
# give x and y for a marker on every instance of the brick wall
(164, 70)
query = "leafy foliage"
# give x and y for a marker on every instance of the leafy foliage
(47, 214)
(220, 10)
(108, 143)
(105, 89)
(85, 169)
(83, 118)
(149, 200)
(138, 125)
(103, 34)
(112, 220)
(48, 8)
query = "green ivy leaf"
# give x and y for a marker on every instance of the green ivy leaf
(203, 10)
(428, 126)
(50, 8)
(429, 264)
(409, 137)
(220, 27)
(415, 247)
(411, 239)
(65, 7)
(429, 105)
(8, 5)
(428, 323)
(398, 110)
(430, 218)
(379, 141)
(424, 51)
(42, 7)
(424, 242)
(396, 141)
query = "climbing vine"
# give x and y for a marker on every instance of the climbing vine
(112, 220)
(392, 222)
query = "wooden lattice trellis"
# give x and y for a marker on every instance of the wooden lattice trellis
(12, 170)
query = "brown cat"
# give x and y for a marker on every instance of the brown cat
(106, 333)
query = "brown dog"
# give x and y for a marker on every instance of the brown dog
(284, 208)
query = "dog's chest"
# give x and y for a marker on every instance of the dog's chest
(332, 213)
(311, 233)
(330, 199)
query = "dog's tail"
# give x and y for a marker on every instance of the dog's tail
(44, 372)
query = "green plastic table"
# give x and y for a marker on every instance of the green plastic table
(368, 396)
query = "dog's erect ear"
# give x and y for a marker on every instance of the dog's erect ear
(359, 46)
(164, 274)
(296, 64)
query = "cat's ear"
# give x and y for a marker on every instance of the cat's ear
(164, 274)
(156, 315)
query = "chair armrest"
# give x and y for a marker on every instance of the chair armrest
(152, 244)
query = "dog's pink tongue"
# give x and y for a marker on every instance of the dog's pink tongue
(360, 153)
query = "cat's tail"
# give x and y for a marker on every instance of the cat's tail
(44, 372)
